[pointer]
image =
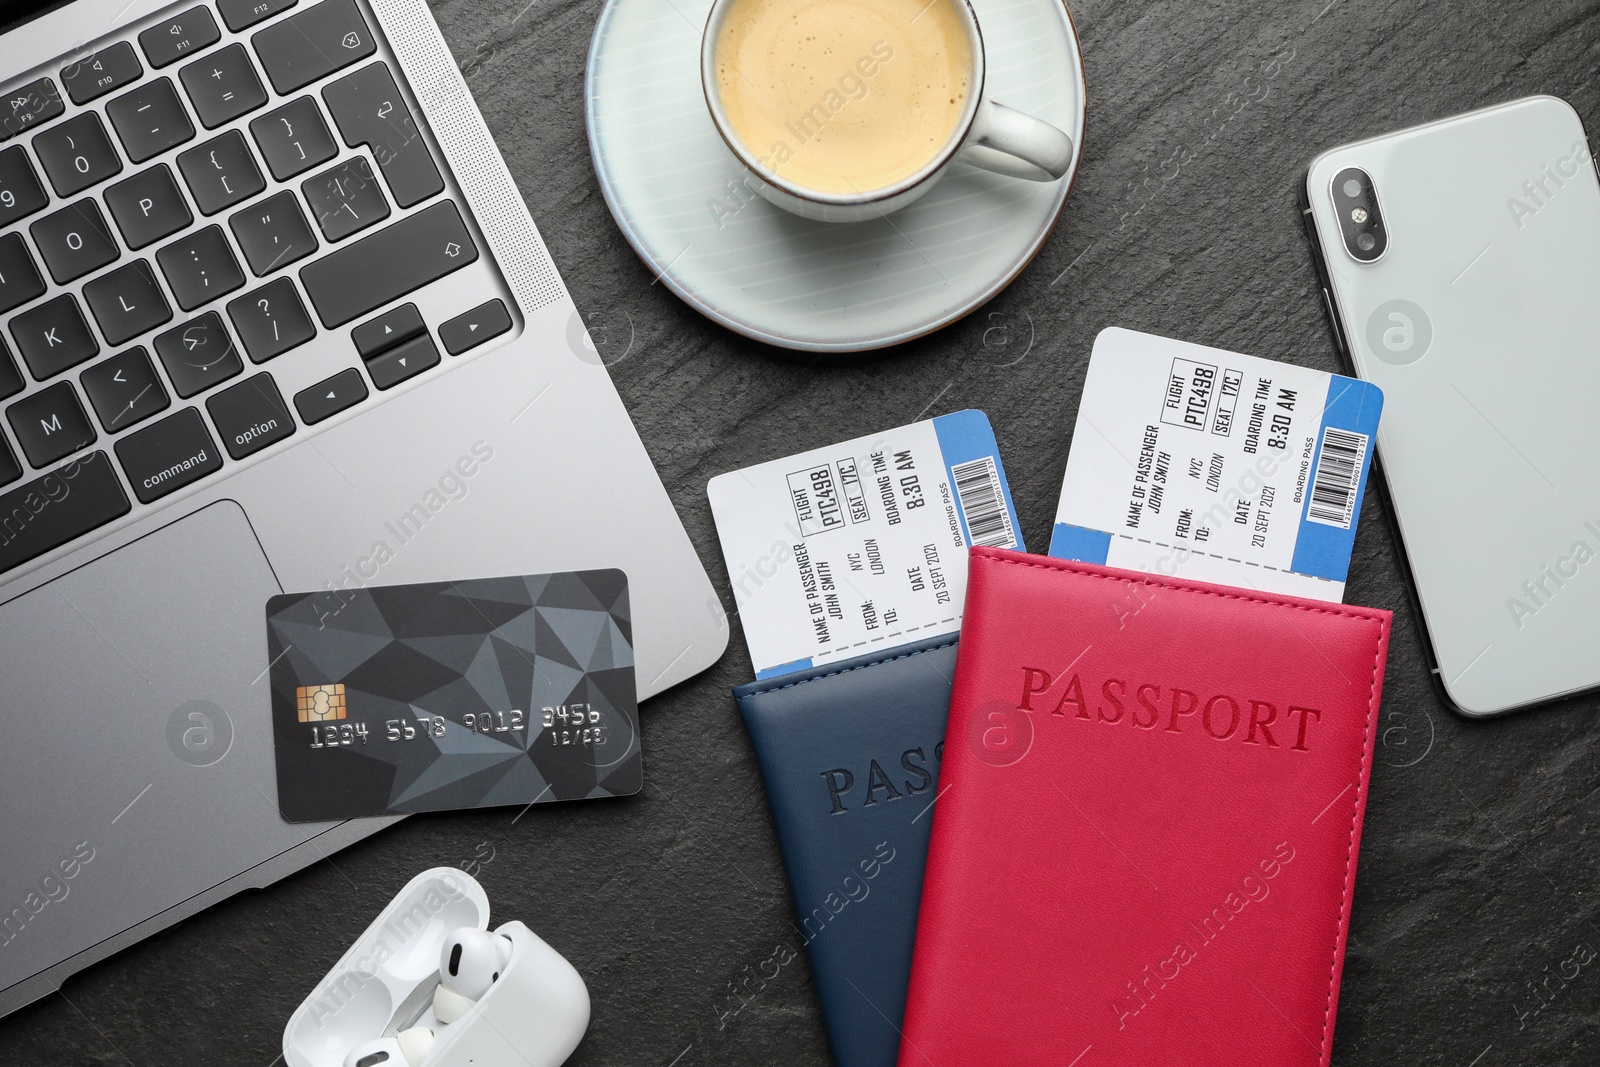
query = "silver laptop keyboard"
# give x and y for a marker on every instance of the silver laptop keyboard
(149, 267)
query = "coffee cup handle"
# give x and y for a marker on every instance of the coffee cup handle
(1006, 141)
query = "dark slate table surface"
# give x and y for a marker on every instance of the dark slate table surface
(1479, 863)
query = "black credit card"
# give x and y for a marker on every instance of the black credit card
(452, 695)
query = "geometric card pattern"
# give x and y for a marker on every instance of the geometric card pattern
(451, 695)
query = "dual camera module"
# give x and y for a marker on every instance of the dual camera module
(1360, 220)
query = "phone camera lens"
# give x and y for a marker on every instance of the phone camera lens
(1360, 216)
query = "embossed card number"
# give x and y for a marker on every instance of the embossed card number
(575, 724)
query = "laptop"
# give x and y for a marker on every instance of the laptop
(273, 318)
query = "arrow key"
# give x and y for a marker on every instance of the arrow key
(404, 361)
(475, 327)
(125, 390)
(387, 330)
(328, 398)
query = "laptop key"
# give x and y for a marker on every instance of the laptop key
(81, 496)
(127, 302)
(407, 360)
(368, 109)
(327, 398)
(250, 416)
(293, 138)
(220, 172)
(19, 278)
(53, 337)
(198, 354)
(10, 469)
(97, 74)
(387, 330)
(74, 241)
(223, 86)
(50, 424)
(323, 38)
(167, 42)
(11, 382)
(273, 233)
(150, 119)
(271, 320)
(200, 267)
(242, 14)
(345, 199)
(76, 154)
(168, 455)
(148, 206)
(384, 266)
(32, 105)
(124, 389)
(475, 327)
(20, 192)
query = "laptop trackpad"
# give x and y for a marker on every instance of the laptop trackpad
(135, 739)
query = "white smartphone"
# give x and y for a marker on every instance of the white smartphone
(1460, 262)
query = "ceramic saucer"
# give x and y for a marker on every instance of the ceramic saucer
(681, 199)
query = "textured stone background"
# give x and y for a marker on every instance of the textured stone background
(1480, 861)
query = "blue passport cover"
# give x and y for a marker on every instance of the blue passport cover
(849, 755)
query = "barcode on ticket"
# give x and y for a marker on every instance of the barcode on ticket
(1333, 489)
(982, 503)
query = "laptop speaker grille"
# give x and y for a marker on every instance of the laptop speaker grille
(480, 170)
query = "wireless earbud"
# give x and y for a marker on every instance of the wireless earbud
(500, 996)
(469, 963)
(408, 1048)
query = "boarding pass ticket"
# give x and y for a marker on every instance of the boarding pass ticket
(1199, 463)
(862, 546)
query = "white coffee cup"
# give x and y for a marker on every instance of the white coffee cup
(987, 134)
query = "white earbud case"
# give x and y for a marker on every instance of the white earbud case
(534, 1014)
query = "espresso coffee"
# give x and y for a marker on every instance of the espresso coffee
(843, 96)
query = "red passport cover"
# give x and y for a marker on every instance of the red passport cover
(1145, 842)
